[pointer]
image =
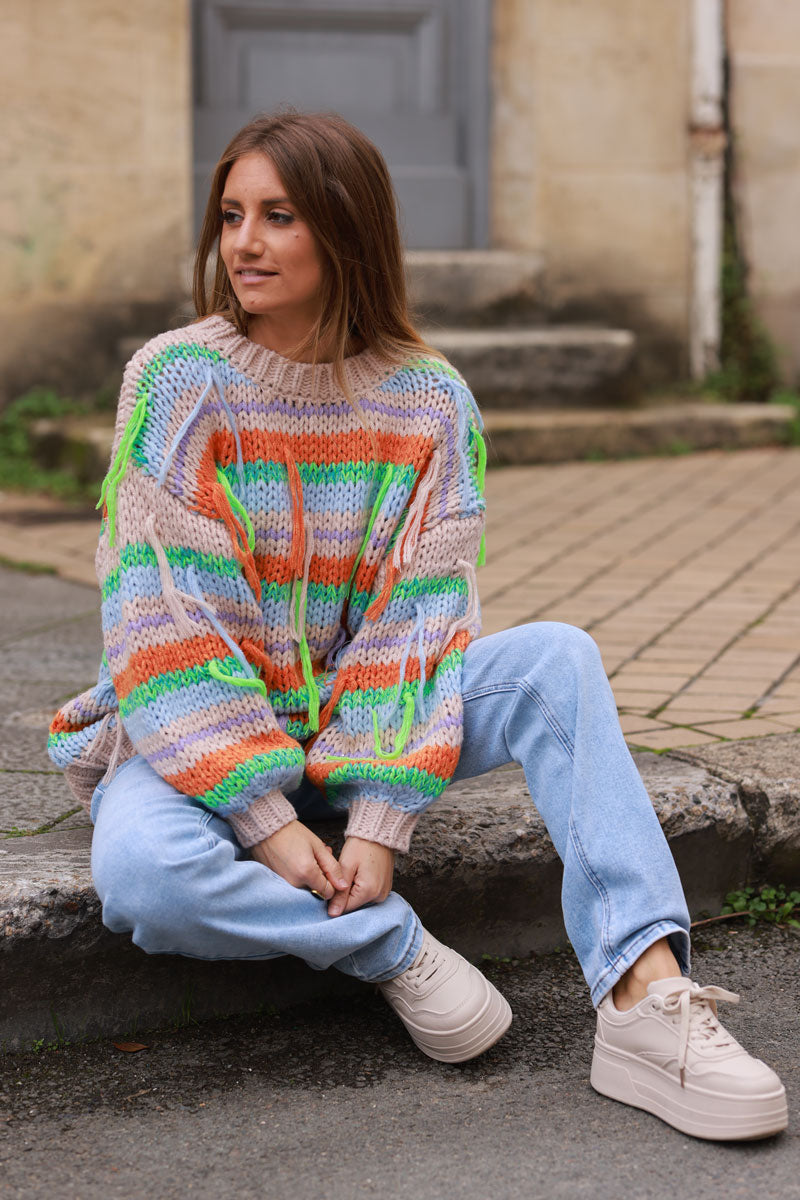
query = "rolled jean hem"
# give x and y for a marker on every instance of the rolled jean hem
(407, 960)
(679, 944)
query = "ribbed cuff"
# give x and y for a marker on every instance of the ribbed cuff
(265, 816)
(377, 821)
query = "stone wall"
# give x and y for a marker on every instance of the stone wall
(764, 48)
(590, 167)
(94, 211)
(591, 159)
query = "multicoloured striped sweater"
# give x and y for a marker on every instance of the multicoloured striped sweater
(281, 593)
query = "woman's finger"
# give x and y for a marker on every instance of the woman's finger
(338, 904)
(330, 867)
(362, 892)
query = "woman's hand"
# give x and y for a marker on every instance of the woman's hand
(302, 859)
(368, 869)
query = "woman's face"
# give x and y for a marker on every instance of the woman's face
(270, 254)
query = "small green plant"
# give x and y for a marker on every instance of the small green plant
(770, 903)
(19, 469)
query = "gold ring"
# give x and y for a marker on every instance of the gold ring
(317, 894)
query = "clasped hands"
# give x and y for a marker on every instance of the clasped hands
(362, 873)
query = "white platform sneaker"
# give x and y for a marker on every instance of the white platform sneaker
(670, 1056)
(451, 1010)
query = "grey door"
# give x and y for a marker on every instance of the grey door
(413, 74)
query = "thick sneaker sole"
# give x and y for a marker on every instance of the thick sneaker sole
(472, 1039)
(701, 1114)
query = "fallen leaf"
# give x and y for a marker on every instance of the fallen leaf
(130, 1047)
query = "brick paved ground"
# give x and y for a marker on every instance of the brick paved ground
(686, 571)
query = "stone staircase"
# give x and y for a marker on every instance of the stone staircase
(486, 311)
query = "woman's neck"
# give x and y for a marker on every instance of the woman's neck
(290, 341)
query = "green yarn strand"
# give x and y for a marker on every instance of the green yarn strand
(388, 476)
(402, 737)
(218, 672)
(108, 491)
(238, 508)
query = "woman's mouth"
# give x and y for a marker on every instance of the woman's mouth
(254, 274)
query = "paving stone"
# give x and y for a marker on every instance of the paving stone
(749, 728)
(672, 739)
(29, 799)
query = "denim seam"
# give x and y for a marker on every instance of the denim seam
(568, 745)
(205, 821)
(646, 938)
(601, 890)
(521, 685)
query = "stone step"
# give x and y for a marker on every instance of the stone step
(482, 874)
(562, 435)
(476, 287)
(551, 365)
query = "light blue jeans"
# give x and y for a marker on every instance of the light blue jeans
(172, 873)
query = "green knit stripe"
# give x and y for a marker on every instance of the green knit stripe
(171, 681)
(357, 770)
(435, 364)
(318, 474)
(141, 554)
(410, 589)
(288, 758)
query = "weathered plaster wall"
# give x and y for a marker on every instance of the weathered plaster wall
(590, 158)
(764, 48)
(95, 150)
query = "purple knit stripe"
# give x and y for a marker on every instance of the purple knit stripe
(150, 621)
(336, 535)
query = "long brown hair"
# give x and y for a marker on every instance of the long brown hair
(340, 185)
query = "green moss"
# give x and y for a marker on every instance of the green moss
(19, 468)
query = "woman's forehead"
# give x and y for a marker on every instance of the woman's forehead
(257, 175)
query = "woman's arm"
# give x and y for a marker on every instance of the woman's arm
(182, 622)
(393, 733)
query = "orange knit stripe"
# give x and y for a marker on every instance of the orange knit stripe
(335, 448)
(213, 768)
(434, 760)
(175, 656)
(60, 724)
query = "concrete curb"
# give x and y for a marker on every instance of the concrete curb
(482, 874)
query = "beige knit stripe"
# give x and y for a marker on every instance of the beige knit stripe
(247, 704)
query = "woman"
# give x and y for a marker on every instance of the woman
(292, 521)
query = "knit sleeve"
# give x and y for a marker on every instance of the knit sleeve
(394, 734)
(182, 623)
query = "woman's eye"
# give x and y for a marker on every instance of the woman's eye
(230, 216)
(277, 217)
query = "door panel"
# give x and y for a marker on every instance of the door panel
(413, 74)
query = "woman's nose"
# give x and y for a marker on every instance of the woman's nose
(250, 238)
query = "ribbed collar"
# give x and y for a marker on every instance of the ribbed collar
(364, 371)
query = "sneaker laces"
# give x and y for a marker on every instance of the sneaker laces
(425, 967)
(696, 1007)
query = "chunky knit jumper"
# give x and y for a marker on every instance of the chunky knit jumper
(277, 597)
